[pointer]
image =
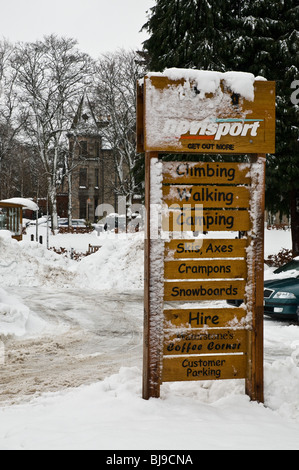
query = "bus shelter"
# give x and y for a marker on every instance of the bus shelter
(11, 219)
(11, 215)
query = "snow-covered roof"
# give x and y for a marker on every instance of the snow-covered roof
(26, 203)
(85, 120)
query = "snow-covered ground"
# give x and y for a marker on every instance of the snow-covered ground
(71, 355)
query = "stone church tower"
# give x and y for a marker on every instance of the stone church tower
(94, 176)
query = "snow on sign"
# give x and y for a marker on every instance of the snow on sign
(204, 292)
(207, 112)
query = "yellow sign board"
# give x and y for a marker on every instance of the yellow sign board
(205, 248)
(203, 317)
(210, 341)
(205, 269)
(223, 366)
(210, 196)
(206, 173)
(193, 218)
(205, 290)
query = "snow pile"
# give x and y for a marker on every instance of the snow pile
(112, 415)
(13, 315)
(24, 264)
(31, 264)
(282, 385)
(118, 265)
(208, 81)
(16, 319)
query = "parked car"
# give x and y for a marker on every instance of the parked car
(281, 295)
(115, 221)
(75, 223)
(41, 221)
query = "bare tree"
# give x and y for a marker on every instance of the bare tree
(116, 101)
(10, 122)
(51, 74)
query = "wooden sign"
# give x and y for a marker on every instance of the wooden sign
(203, 317)
(208, 341)
(206, 173)
(205, 290)
(184, 368)
(181, 116)
(210, 196)
(196, 219)
(190, 331)
(205, 269)
(189, 271)
(205, 248)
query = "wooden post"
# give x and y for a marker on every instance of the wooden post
(139, 120)
(151, 360)
(255, 380)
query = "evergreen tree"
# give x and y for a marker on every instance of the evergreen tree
(266, 42)
(258, 36)
(189, 33)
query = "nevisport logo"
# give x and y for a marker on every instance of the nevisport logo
(214, 129)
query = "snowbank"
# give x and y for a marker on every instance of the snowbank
(16, 319)
(24, 264)
(118, 265)
(31, 264)
(111, 415)
(13, 315)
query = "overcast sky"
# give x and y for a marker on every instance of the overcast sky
(99, 25)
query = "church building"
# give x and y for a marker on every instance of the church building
(93, 176)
